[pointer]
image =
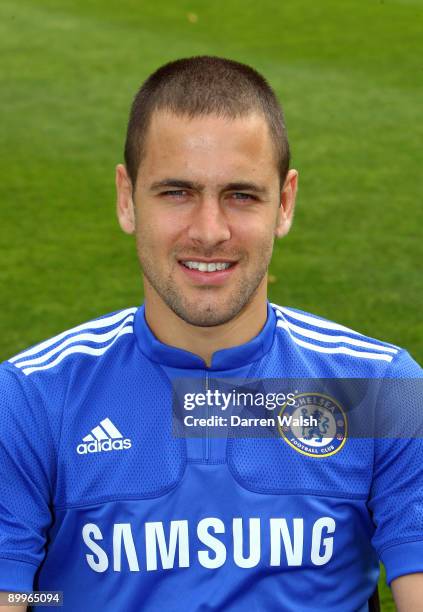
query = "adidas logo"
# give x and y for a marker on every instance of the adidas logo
(104, 437)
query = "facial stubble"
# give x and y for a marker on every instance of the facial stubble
(211, 305)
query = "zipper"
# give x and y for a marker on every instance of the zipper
(207, 447)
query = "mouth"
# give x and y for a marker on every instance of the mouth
(204, 266)
(211, 272)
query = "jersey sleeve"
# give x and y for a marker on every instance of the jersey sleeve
(26, 480)
(396, 499)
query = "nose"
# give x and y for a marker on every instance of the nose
(209, 224)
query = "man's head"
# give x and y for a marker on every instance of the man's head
(201, 86)
(205, 188)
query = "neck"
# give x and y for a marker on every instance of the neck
(204, 341)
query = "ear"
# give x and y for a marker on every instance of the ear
(287, 205)
(124, 203)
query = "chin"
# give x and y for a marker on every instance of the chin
(206, 318)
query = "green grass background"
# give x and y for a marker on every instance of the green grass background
(348, 76)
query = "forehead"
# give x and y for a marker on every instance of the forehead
(208, 145)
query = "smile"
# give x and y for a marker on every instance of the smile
(203, 266)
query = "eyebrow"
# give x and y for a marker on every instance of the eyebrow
(173, 182)
(237, 186)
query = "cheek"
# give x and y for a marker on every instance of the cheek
(257, 231)
(156, 234)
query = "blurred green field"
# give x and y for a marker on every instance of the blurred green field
(347, 74)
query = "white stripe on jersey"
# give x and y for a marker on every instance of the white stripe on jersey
(91, 325)
(339, 349)
(309, 333)
(306, 322)
(322, 323)
(87, 350)
(88, 337)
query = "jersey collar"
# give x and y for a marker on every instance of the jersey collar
(225, 359)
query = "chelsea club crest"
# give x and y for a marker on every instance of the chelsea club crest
(315, 425)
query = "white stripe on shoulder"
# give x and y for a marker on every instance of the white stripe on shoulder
(339, 349)
(87, 350)
(91, 325)
(309, 333)
(87, 337)
(305, 318)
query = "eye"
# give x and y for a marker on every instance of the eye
(175, 193)
(238, 195)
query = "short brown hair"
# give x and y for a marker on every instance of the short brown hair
(204, 85)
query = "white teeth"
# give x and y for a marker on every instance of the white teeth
(205, 267)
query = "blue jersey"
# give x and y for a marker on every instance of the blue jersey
(99, 500)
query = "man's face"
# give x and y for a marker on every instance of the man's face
(207, 209)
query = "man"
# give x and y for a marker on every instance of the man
(99, 499)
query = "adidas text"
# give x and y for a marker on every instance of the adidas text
(105, 445)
